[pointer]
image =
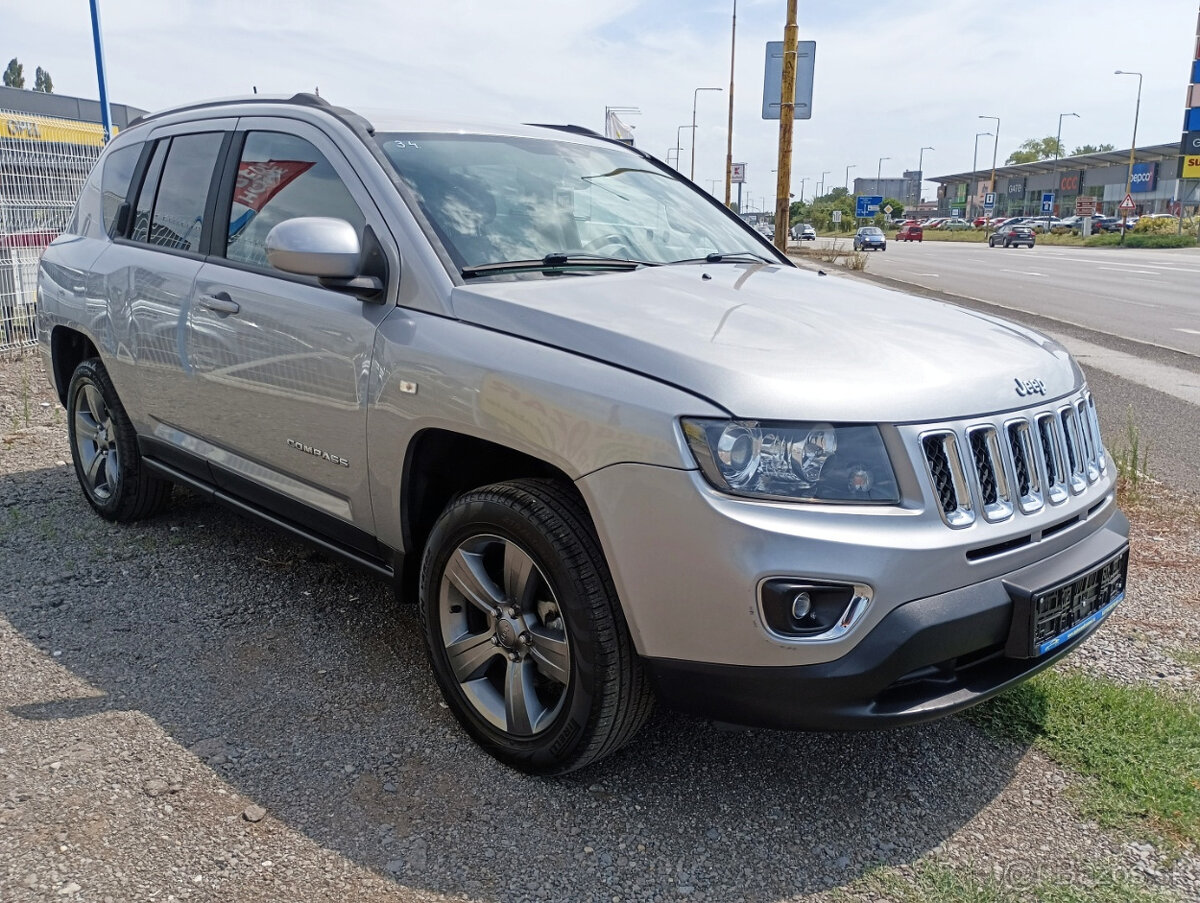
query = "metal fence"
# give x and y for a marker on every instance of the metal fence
(43, 165)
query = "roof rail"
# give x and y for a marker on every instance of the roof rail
(300, 99)
(574, 129)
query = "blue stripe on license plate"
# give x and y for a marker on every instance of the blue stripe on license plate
(1080, 627)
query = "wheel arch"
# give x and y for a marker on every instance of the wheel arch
(441, 464)
(68, 349)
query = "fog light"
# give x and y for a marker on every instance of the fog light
(796, 608)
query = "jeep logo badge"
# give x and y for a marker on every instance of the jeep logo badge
(1030, 387)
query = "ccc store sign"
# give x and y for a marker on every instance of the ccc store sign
(1071, 183)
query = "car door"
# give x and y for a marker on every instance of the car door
(281, 363)
(146, 275)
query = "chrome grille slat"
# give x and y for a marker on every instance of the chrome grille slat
(1040, 457)
(949, 478)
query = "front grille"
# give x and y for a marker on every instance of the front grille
(1042, 456)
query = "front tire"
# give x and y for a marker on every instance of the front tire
(104, 449)
(525, 632)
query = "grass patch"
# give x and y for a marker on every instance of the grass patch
(1131, 458)
(1142, 240)
(927, 882)
(1138, 746)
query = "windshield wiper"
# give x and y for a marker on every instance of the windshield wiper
(728, 257)
(556, 261)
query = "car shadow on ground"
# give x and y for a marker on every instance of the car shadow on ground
(304, 687)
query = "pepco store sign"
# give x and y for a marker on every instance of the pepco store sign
(1145, 177)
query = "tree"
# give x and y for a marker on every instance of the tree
(1033, 149)
(42, 82)
(14, 75)
(1091, 149)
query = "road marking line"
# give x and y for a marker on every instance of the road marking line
(1126, 270)
(934, 275)
(1189, 331)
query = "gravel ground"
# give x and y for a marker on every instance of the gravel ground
(195, 708)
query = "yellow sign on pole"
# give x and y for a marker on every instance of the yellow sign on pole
(1191, 167)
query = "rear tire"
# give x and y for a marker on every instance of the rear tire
(105, 452)
(525, 632)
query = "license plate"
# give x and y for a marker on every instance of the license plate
(1061, 613)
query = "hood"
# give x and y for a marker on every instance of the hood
(772, 342)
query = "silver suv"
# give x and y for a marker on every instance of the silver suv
(614, 444)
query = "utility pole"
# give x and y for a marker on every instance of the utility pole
(729, 127)
(787, 111)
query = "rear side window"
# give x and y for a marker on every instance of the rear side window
(114, 185)
(170, 208)
(281, 177)
(145, 199)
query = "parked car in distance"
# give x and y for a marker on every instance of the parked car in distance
(979, 222)
(870, 238)
(910, 232)
(613, 446)
(955, 224)
(1012, 237)
(804, 232)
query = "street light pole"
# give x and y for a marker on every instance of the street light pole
(974, 167)
(879, 172)
(1057, 150)
(848, 168)
(729, 127)
(695, 95)
(802, 181)
(921, 172)
(678, 146)
(1129, 175)
(820, 191)
(995, 144)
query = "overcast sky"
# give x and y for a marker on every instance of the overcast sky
(891, 75)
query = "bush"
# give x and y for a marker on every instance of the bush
(1157, 226)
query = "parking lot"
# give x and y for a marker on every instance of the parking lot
(197, 709)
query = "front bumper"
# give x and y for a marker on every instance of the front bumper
(927, 658)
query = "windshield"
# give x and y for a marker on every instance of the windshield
(872, 230)
(493, 199)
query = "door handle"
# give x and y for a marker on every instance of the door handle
(220, 303)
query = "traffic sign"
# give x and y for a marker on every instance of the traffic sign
(1047, 202)
(888, 209)
(737, 173)
(837, 216)
(989, 201)
(806, 60)
(867, 205)
(1127, 204)
(1085, 205)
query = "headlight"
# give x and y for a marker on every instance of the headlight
(793, 461)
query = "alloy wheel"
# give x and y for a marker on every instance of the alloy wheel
(504, 635)
(96, 443)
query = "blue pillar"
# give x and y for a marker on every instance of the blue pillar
(105, 115)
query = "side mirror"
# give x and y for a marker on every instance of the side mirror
(315, 246)
(329, 249)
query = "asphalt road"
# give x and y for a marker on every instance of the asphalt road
(1149, 296)
(1136, 336)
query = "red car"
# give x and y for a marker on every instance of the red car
(910, 232)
